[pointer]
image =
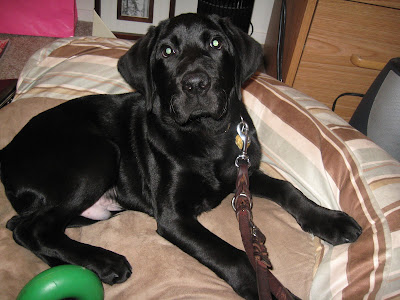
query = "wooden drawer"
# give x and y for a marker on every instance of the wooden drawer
(339, 29)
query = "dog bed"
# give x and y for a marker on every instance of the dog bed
(303, 142)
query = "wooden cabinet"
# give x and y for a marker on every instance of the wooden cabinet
(336, 46)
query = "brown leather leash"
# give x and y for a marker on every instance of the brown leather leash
(252, 237)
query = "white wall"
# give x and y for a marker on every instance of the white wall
(260, 18)
(184, 6)
(85, 10)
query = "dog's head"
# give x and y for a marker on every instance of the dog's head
(194, 65)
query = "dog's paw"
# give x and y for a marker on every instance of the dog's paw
(112, 268)
(13, 222)
(243, 278)
(335, 227)
(247, 287)
(248, 294)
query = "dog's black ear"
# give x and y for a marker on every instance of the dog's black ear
(248, 52)
(135, 66)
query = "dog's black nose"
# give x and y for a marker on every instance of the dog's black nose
(195, 83)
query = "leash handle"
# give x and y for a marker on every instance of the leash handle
(252, 237)
(254, 241)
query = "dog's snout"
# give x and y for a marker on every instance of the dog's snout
(196, 83)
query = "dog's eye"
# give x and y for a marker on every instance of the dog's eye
(216, 43)
(167, 51)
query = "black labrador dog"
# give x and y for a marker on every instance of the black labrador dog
(167, 150)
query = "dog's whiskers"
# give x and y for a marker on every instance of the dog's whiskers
(225, 106)
(171, 106)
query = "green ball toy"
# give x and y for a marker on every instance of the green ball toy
(61, 282)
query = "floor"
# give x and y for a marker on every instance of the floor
(21, 48)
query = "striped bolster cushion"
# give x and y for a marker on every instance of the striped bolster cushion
(303, 142)
(339, 168)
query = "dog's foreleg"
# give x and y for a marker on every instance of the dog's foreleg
(226, 261)
(335, 227)
(43, 233)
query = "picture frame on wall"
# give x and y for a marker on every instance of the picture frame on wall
(135, 10)
(131, 19)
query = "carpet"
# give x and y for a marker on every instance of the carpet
(21, 47)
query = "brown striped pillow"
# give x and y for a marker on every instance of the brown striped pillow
(339, 168)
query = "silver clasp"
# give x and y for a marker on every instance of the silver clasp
(243, 132)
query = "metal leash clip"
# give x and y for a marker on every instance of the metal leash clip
(243, 132)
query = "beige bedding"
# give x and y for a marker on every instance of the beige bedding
(303, 142)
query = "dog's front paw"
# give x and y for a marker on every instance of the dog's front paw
(243, 278)
(248, 293)
(111, 268)
(335, 227)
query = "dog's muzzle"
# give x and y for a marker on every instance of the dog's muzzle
(198, 95)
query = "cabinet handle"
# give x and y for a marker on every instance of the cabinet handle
(365, 63)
